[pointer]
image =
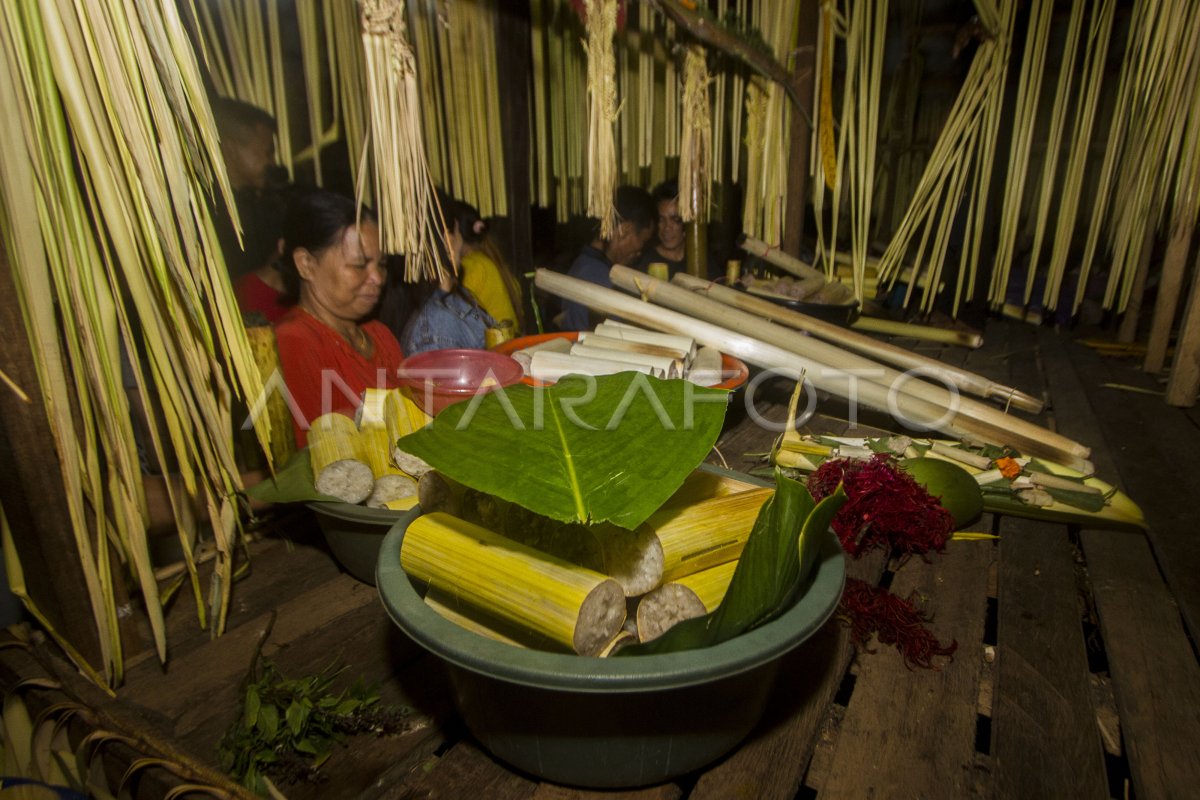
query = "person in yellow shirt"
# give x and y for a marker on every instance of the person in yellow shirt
(484, 273)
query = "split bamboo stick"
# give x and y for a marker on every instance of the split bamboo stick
(891, 354)
(835, 380)
(925, 332)
(578, 608)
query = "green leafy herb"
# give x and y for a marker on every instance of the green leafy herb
(778, 557)
(588, 450)
(289, 727)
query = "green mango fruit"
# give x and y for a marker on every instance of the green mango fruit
(954, 487)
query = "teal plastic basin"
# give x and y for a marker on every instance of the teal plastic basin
(608, 723)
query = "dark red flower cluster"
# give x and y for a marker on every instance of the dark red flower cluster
(869, 609)
(884, 507)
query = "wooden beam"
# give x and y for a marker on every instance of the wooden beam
(800, 129)
(1170, 285)
(32, 494)
(1185, 369)
(513, 61)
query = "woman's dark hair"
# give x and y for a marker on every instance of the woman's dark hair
(471, 226)
(666, 191)
(315, 221)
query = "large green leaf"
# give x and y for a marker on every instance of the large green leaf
(609, 449)
(779, 555)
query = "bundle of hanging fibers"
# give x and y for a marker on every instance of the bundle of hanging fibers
(885, 507)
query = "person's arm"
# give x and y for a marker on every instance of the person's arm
(301, 363)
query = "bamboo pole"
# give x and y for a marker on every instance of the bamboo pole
(1185, 369)
(965, 409)
(889, 353)
(1170, 286)
(825, 377)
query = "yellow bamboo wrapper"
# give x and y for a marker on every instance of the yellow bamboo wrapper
(572, 606)
(339, 468)
(704, 534)
(279, 417)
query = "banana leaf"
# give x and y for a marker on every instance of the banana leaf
(778, 557)
(608, 449)
(293, 483)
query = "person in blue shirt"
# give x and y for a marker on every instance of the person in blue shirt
(448, 315)
(636, 212)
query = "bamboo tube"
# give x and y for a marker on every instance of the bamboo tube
(468, 618)
(631, 558)
(668, 367)
(703, 485)
(919, 402)
(924, 332)
(573, 606)
(548, 366)
(684, 598)
(392, 487)
(338, 464)
(704, 534)
(524, 357)
(706, 369)
(630, 346)
(631, 333)
(825, 353)
(773, 255)
(891, 354)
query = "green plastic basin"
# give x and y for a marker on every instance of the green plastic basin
(354, 534)
(616, 722)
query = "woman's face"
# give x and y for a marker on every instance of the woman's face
(347, 278)
(670, 226)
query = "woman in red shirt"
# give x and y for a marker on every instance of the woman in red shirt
(332, 264)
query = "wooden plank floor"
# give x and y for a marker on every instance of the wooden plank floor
(1075, 675)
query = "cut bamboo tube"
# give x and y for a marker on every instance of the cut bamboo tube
(685, 598)
(524, 357)
(575, 607)
(706, 368)
(669, 367)
(896, 356)
(466, 618)
(972, 416)
(392, 488)
(836, 381)
(704, 534)
(924, 332)
(632, 558)
(338, 464)
(548, 366)
(620, 330)
(773, 255)
(703, 485)
(628, 345)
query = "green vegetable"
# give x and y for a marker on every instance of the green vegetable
(778, 557)
(608, 449)
(954, 487)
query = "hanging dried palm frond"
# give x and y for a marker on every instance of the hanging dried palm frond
(602, 113)
(695, 156)
(111, 156)
(348, 76)
(403, 188)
